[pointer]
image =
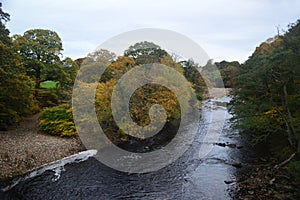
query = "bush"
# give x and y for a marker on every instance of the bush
(47, 97)
(199, 96)
(58, 121)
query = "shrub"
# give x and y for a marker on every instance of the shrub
(199, 96)
(58, 121)
(47, 97)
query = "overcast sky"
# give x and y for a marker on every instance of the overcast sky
(225, 29)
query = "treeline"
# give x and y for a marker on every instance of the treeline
(267, 101)
(27, 61)
(35, 77)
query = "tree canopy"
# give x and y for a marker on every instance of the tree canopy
(268, 90)
(26, 61)
(40, 49)
(16, 97)
(143, 98)
(145, 52)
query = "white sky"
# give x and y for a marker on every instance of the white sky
(225, 29)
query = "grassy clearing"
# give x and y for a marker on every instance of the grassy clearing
(49, 84)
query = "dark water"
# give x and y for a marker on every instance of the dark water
(190, 177)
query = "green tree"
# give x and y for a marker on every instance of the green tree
(40, 50)
(145, 52)
(192, 74)
(16, 96)
(228, 72)
(267, 101)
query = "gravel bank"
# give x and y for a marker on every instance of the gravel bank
(24, 148)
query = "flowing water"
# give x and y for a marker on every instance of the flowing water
(189, 177)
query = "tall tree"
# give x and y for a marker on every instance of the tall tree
(16, 97)
(40, 49)
(145, 52)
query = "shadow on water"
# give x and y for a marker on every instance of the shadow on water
(189, 177)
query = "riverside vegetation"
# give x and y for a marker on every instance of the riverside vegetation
(266, 89)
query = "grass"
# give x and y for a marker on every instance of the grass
(49, 84)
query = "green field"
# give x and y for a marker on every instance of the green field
(49, 84)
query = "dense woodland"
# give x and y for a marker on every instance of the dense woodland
(267, 101)
(35, 78)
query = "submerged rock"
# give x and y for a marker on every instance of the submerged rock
(237, 164)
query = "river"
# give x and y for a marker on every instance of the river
(189, 177)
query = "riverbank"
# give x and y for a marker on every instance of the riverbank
(192, 176)
(263, 180)
(217, 93)
(24, 147)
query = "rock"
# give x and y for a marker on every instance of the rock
(251, 192)
(226, 144)
(229, 182)
(231, 145)
(221, 144)
(237, 164)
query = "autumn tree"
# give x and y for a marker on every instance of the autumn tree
(16, 96)
(146, 54)
(102, 56)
